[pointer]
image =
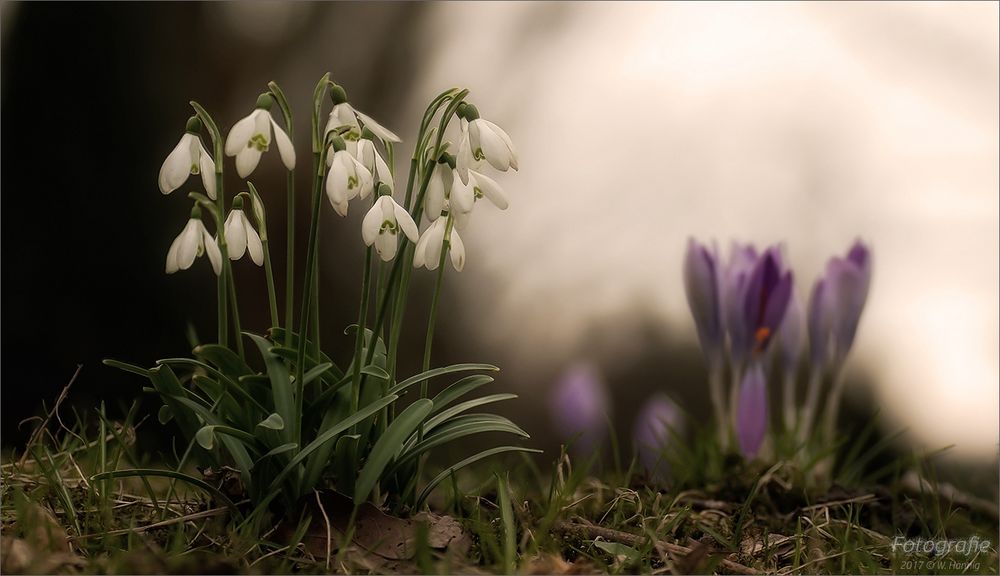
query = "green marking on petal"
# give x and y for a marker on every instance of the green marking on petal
(258, 141)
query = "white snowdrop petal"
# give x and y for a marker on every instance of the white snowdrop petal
(262, 125)
(493, 147)
(457, 251)
(236, 234)
(285, 148)
(254, 245)
(371, 225)
(212, 249)
(207, 171)
(463, 197)
(506, 140)
(420, 251)
(190, 239)
(461, 219)
(385, 245)
(405, 221)
(433, 250)
(246, 161)
(383, 172)
(240, 135)
(464, 160)
(376, 128)
(490, 189)
(172, 254)
(177, 166)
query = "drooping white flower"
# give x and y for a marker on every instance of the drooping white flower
(428, 250)
(464, 196)
(193, 241)
(382, 224)
(483, 140)
(241, 237)
(251, 136)
(188, 157)
(439, 189)
(346, 180)
(343, 115)
(364, 151)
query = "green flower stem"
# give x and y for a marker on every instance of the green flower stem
(360, 338)
(269, 273)
(716, 385)
(286, 112)
(238, 333)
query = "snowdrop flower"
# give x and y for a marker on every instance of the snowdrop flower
(347, 179)
(439, 187)
(751, 412)
(364, 151)
(428, 250)
(465, 194)
(240, 235)
(251, 136)
(579, 408)
(343, 115)
(383, 222)
(483, 140)
(193, 241)
(188, 157)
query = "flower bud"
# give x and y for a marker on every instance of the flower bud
(580, 406)
(469, 112)
(238, 201)
(384, 190)
(655, 426)
(196, 211)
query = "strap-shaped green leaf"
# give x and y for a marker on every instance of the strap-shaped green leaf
(458, 389)
(139, 472)
(470, 460)
(224, 359)
(455, 429)
(457, 409)
(388, 445)
(435, 372)
(281, 386)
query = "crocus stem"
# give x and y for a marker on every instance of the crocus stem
(237, 331)
(788, 400)
(832, 408)
(360, 338)
(809, 409)
(290, 256)
(272, 298)
(734, 397)
(716, 384)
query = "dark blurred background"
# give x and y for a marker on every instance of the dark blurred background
(638, 125)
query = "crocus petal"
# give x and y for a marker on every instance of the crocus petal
(405, 222)
(819, 320)
(381, 131)
(177, 166)
(579, 408)
(207, 171)
(190, 239)
(656, 426)
(254, 245)
(701, 285)
(240, 135)
(385, 245)
(212, 249)
(372, 223)
(790, 334)
(247, 160)
(457, 250)
(751, 414)
(285, 148)
(236, 234)
(490, 189)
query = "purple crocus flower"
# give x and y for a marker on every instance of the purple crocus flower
(838, 298)
(757, 291)
(790, 336)
(657, 423)
(751, 413)
(701, 285)
(579, 408)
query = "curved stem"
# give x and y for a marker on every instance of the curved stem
(290, 257)
(716, 386)
(238, 333)
(788, 400)
(811, 404)
(272, 297)
(832, 408)
(360, 338)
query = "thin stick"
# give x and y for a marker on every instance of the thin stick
(329, 532)
(48, 418)
(587, 532)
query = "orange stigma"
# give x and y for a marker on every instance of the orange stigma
(762, 334)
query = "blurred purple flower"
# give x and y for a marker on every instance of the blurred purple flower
(790, 335)
(659, 420)
(751, 414)
(580, 406)
(701, 285)
(756, 294)
(838, 298)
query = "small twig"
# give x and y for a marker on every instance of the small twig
(587, 532)
(38, 431)
(917, 485)
(329, 533)
(140, 529)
